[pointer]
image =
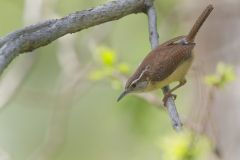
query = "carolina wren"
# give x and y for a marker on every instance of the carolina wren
(167, 63)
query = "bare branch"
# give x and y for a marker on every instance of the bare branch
(152, 23)
(41, 34)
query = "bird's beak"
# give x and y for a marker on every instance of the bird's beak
(122, 95)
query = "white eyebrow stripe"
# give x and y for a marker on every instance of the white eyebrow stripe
(146, 68)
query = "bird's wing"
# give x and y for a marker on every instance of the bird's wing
(166, 59)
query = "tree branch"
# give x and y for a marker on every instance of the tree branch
(41, 34)
(153, 36)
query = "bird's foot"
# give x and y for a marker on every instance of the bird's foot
(166, 96)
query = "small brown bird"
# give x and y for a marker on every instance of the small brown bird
(167, 63)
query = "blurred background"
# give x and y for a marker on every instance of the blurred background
(59, 102)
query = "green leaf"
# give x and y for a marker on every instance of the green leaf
(107, 56)
(123, 68)
(212, 80)
(96, 75)
(100, 74)
(224, 75)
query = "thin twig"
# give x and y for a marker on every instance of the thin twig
(152, 24)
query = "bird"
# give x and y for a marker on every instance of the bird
(168, 62)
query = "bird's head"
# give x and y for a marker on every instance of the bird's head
(138, 82)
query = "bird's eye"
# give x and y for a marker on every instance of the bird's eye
(133, 85)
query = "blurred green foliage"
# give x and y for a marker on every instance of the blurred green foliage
(184, 146)
(108, 67)
(224, 75)
(107, 56)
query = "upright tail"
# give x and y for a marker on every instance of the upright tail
(197, 25)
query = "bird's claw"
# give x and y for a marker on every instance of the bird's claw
(166, 96)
